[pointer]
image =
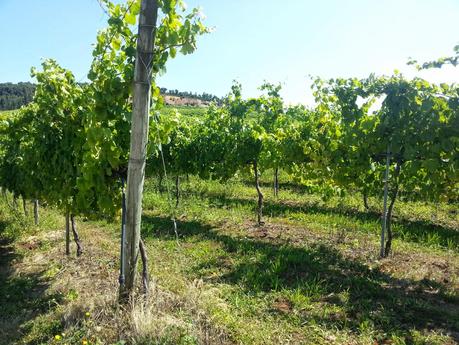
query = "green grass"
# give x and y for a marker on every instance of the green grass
(311, 275)
(297, 275)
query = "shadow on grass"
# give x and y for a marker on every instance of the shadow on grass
(23, 297)
(391, 306)
(283, 185)
(417, 231)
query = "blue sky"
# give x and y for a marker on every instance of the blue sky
(254, 40)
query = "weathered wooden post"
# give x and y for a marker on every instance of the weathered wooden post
(139, 138)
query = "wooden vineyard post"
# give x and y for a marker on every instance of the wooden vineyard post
(139, 138)
(384, 215)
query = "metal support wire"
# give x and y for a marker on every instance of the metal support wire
(173, 214)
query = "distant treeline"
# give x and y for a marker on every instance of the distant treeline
(206, 97)
(15, 95)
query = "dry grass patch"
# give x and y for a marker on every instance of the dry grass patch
(82, 292)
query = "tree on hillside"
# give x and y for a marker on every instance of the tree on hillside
(14, 96)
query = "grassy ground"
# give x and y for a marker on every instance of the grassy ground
(311, 275)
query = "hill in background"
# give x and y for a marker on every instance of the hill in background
(15, 95)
